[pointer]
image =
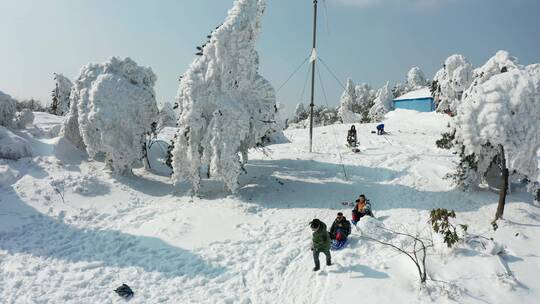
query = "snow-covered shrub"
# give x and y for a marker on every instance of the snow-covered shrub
(382, 104)
(7, 110)
(113, 106)
(450, 82)
(61, 95)
(416, 79)
(347, 102)
(227, 107)
(24, 118)
(13, 146)
(499, 120)
(167, 117)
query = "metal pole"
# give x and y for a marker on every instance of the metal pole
(314, 59)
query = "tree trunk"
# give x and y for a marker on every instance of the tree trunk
(504, 187)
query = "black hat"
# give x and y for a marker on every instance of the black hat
(340, 213)
(362, 195)
(315, 223)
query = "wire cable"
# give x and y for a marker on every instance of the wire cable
(332, 126)
(332, 73)
(293, 73)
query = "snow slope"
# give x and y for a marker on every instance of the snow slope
(70, 232)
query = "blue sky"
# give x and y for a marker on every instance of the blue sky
(371, 41)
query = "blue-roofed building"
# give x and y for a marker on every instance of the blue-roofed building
(419, 100)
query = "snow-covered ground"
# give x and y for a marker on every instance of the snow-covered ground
(70, 232)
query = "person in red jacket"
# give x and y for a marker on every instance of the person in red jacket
(361, 209)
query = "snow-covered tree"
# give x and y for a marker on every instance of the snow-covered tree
(399, 90)
(300, 113)
(167, 116)
(347, 102)
(383, 104)
(502, 62)
(497, 125)
(7, 109)
(227, 107)
(325, 116)
(365, 97)
(275, 134)
(450, 82)
(31, 104)
(60, 95)
(113, 106)
(416, 79)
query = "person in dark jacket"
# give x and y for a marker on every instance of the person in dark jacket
(361, 209)
(380, 129)
(320, 243)
(351, 137)
(341, 228)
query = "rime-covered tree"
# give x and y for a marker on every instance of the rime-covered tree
(497, 125)
(167, 116)
(300, 113)
(113, 106)
(383, 104)
(416, 79)
(7, 109)
(347, 103)
(399, 90)
(365, 97)
(60, 95)
(227, 107)
(450, 82)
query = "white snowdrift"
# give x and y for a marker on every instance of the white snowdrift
(13, 146)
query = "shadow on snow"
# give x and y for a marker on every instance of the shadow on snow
(53, 238)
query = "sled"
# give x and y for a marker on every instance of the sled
(124, 291)
(338, 245)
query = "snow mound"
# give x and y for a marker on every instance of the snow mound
(8, 176)
(374, 228)
(13, 146)
(49, 124)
